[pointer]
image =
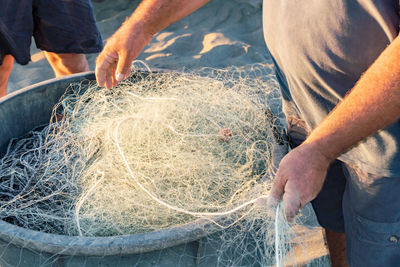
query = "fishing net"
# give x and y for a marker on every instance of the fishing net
(158, 151)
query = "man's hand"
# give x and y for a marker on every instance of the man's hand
(151, 16)
(299, 179)
(114, 62)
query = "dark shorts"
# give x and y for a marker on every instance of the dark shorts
(364, 206)
(60, 26)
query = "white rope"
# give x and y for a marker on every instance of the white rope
(152, 196)
(278, 252)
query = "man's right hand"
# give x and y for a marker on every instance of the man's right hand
(114, 62)
(151, 16)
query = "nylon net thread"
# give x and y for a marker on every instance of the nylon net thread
(158, 151)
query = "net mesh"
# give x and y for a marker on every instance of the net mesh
(158, 151)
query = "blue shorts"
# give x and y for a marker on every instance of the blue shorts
(60, 26)
(364, 206)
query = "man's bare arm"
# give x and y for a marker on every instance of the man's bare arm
(151, 16)
(372, 104)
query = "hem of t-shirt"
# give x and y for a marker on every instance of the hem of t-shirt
(367, 167)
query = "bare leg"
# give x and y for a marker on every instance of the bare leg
(65, 64)
(5, 70)
(337, 248)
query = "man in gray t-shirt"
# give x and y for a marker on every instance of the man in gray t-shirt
(320, 50)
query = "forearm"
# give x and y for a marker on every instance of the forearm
(372, 104)
(151, 16)
(155, 15)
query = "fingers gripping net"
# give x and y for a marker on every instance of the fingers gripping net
(158, 151)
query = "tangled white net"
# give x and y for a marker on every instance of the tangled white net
(158, 151)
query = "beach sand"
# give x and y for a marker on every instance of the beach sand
(221, 34)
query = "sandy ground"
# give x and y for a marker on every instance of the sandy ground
(221, 34)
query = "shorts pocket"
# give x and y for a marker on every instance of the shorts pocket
(376, 233)
(373, 243)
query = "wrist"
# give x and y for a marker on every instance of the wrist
(133, 36)
(316, 151)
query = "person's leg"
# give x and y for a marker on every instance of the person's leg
(67, 37)
(5, 70)
(65, 64)
(337, 248)
(328, 208)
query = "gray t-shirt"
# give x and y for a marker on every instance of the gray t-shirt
(320, 49)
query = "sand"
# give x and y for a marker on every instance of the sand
(221, 34)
